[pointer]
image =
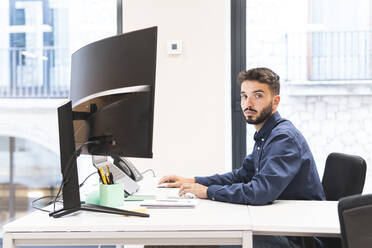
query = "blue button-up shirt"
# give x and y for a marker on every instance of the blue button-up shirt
(281, 166)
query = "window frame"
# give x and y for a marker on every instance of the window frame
(238, 63)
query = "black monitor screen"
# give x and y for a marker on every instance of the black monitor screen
(120, 61)
(111, 109)
(114, 80)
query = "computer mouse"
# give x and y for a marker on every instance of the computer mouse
(188, 195)
(163, 185)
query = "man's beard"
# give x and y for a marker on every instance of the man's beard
(264, 115)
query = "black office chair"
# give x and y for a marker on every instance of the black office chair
(355, 214)
(344, 175)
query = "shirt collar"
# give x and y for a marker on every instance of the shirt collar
(267, 127)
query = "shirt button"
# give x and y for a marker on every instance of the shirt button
(212, 198)
(258, 148)
(257, 169)
(262, 139)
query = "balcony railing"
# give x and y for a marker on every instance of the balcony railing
(328, 56)
(34, 73)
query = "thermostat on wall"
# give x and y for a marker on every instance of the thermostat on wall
(174, 47)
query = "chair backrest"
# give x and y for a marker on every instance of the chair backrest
(344, 175)
(355, 215)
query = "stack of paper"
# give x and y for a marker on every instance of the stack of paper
(170, 203)
(136, 197)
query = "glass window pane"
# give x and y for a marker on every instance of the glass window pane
(38, 38)
(36, 173)
(36, 42)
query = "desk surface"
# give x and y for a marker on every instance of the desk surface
(298, 218)
(210, 222)
(207, 215)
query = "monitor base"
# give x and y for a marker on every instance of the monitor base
(96, 208)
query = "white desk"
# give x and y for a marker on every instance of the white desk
(210, 223)
(296, 218)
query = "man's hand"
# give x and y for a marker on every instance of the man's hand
(174, 181)
(197, 189)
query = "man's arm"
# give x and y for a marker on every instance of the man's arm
(243, 174)
(280, 164)
(174, 181)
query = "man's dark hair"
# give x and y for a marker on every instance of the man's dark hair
(262, 75)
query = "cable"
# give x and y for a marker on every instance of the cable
(87, 179)
(47, 204)
(153, 173)
(66, 170)
(72, 159)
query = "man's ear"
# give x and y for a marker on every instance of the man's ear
(276, 101)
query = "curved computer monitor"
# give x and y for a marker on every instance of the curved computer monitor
(111, 109)
(114, 80)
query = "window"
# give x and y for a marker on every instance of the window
(322, 52)
(41, 36)
(27, 171)
(36, 43)
(337, 45)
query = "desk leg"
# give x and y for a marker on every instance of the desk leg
(8, 242)
(247, 239)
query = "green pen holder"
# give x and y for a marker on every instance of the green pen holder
(111, 195)
(93, 198)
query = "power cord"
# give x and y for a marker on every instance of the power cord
(70, 162)
(72, 159)
(53, 196)
(87, 178)
(153, 173)
(44, 205)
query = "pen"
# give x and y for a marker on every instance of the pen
(111, 178)
(107, 178)
(100, 175)
(103, 177)
(108, 175)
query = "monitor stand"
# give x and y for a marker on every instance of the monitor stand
(70, 185)
(96, 208)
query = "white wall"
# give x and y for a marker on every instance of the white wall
(333, 124)
(191, 132)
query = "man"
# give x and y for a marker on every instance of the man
(281, 165)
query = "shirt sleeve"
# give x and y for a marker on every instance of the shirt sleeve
(243, 174)
(281, 161)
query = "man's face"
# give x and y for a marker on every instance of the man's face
(257, 102)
